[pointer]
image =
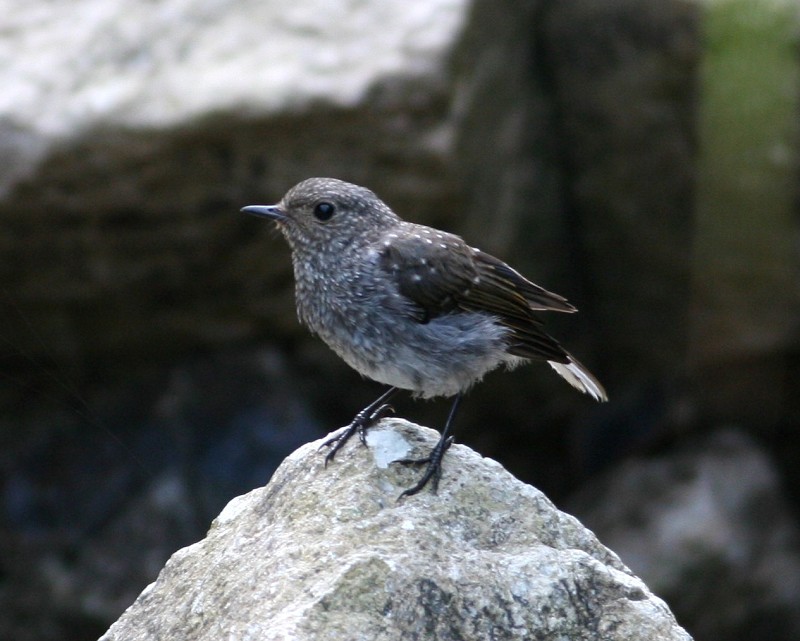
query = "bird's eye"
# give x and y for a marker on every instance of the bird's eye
(323, 211)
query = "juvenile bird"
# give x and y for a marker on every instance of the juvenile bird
(410, 306)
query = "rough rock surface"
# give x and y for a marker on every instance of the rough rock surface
(330, 554)
(712, 514)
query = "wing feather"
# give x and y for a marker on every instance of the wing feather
(439, 274)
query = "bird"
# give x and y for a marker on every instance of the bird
(410, 306)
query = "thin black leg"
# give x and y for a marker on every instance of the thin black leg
(365, 419)
(434, 460)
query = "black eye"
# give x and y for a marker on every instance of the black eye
(323, 211)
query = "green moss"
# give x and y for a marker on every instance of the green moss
(747, 175)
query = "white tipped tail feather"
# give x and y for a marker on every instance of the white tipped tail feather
(579, 377)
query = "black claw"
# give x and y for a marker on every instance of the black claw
(365, 419)
(336, 442)
(369, 421)
(359, 424)
(375, 411)
(433, 471)
(383, 411)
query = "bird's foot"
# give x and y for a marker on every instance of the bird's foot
(433, 471)
(365, 419)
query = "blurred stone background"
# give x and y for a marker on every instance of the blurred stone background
(636, 156)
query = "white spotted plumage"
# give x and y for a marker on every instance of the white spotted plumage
(401, 322)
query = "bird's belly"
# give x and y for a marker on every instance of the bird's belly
(439, 358)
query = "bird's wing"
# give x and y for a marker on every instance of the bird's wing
(496, 275)
(439, 274)
(434, 270)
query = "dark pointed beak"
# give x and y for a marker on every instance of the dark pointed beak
(266, 211)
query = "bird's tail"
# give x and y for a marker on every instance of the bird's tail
(579, 377)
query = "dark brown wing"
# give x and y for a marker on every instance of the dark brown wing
(433, 269)
(495, 274)
(439, 273)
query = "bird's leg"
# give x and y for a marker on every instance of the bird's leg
(433, 471)
(365, 419)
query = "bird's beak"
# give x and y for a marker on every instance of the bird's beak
(267, 211)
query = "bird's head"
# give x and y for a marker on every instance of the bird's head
(327, 214)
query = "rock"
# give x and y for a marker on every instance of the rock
(321, 553)
(143, 69)
(623, 74)
(90, 516)
(131, 138)
(710, 515)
